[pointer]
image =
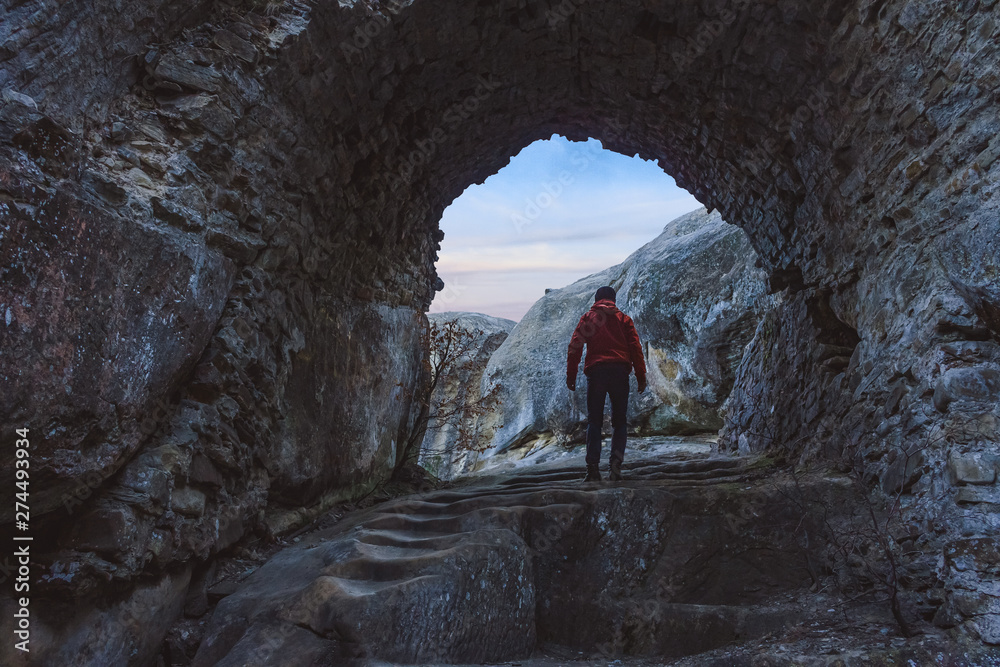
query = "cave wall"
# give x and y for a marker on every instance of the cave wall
(275, 175)
(190, 372)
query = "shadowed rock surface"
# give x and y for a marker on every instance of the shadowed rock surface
(695, 297)
(692, 552)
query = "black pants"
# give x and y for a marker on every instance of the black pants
(604, 380)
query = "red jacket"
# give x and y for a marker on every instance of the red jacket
(610, 336)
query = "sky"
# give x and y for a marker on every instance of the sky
(560, 211)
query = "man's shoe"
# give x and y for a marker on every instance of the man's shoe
(616, 471)
(593, 474)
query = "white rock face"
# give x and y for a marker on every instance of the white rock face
(695, 296)
(438, 451)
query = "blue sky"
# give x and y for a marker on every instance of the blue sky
(561, 210)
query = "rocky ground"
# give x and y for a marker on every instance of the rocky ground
(695, 554)
(544, 450)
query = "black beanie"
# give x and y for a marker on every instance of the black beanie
(605, 292)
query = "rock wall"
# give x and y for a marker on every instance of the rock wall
(304, 153)
(180, 335)
(695, 297)
(440, 451)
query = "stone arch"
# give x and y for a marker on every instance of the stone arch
(666, 88)
(855, 143)
(814, 126)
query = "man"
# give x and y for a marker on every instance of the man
(613, 352)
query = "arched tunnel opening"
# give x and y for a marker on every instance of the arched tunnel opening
(218, 230)
(521, 257)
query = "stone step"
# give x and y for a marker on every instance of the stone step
(389, 564)
(645, 469)
(482, 571)
(411, 522)
(408, 539)
(499, 497)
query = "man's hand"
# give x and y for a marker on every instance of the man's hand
(642, 384)
(571, 383)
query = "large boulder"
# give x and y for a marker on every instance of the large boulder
(444, 450)
(695, 295)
